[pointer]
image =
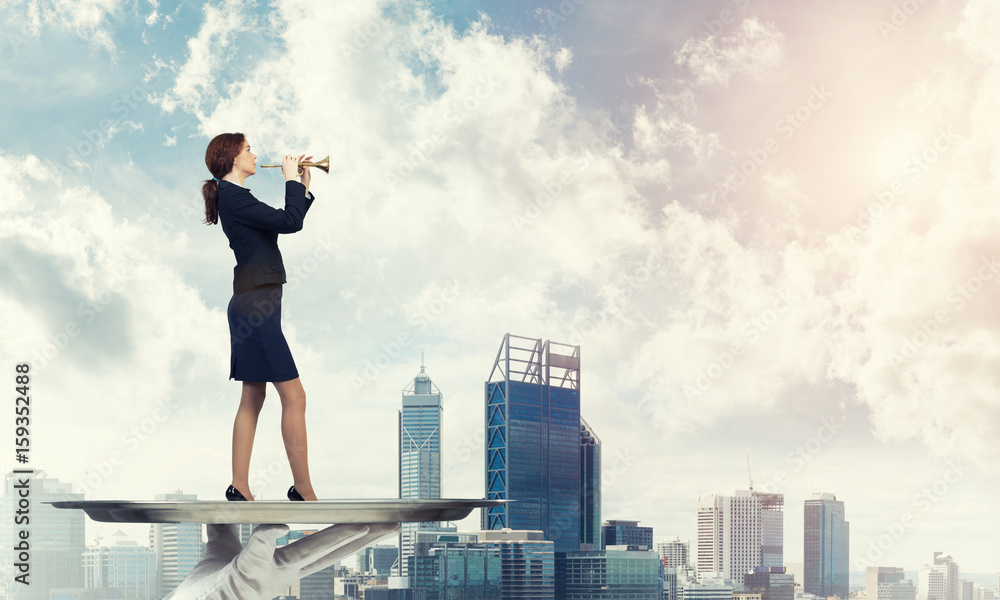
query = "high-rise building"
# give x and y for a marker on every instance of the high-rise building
(772, 583)
(626, 533)
(419, 453)
(674, 553)
(949, 569)
(613, 575)
(123, 565)
(772, 529)
(590, 488)
(931, 582)
(888, 583)
(177, 547)
(527, 563)
(460, 571)
(377, 560)
(729, 535)
(527, 560)
(826, 546)
(56, 536)
(533, 440)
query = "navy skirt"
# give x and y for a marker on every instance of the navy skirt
(259, 349)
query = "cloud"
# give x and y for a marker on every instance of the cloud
(207, 53)
(755, 49)
(101, 320)
(88, 19)
(467, 160)
(666, 127)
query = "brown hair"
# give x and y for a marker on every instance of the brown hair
(219, 158)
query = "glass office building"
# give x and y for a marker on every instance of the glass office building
(533, 440)
(772, 529)
(772, 583)
(826, 544)
(458, 572)
(613, 575)
(527, 564)
(626, 533)
(590, 488)
(419, 453)
(177, 547)
(377, 560)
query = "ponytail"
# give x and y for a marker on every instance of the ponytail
(210, 192)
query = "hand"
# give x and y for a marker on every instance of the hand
(260, 571)
(290, 166)
(306, 176)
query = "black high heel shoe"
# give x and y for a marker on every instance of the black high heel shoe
(234, 494)
(294, 495)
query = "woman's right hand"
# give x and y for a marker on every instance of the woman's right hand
(290, 166)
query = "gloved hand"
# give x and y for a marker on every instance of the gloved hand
(260, 571)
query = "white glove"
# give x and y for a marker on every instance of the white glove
(260, 571)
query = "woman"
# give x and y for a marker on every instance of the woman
(259, 350)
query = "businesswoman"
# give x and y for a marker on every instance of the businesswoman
(260, 353)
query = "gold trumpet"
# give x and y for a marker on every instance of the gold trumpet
(323, 165)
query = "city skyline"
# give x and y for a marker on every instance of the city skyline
(770, 227)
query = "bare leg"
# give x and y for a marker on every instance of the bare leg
(293, 432)
(244, 429)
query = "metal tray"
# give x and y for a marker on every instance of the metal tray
(278, 511)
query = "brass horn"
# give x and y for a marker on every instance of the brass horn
(323, 165)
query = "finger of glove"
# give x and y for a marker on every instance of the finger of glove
(376, 531)
(307, 549)
(223, 541)
(259, 551)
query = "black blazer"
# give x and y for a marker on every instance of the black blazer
(253, 227)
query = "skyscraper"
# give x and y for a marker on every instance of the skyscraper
(826, 543)
(533, 440)
(419, 453)
(590, 488)
(177, 547)
(729, 535)
(949, 568)
(772, 529)
(56, 536)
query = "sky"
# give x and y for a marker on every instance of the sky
(771, 227)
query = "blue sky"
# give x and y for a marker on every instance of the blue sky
(691, 191)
